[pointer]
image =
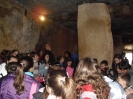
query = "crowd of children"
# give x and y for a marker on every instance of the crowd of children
(39, 75)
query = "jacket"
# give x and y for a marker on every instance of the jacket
(7, 90)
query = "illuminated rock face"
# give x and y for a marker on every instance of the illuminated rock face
(94, 32)
(17, 31)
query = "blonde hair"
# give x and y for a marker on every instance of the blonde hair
(61, 85)
(86, 73)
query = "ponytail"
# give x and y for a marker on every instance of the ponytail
(19, 80)
(69, 89)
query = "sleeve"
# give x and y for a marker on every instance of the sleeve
(42, 70)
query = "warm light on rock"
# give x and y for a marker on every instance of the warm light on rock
(42, 18)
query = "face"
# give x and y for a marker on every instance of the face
(62, 60)
(35, 58)
(102, 66)
(12, 60)
(47, 58)
(66, 55)
(69, 63)
(41, 53)
(117, 60)
(124, 71)
(121, 81)
(47, 47)
(15, 53)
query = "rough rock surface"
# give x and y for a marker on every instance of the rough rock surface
(94, 32)
(17, 31)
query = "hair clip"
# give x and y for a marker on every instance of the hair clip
(22, 64)
(63, 79)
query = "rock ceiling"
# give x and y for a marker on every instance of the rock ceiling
(64, 12)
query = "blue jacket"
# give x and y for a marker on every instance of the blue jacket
(43, 70)
(7, 90)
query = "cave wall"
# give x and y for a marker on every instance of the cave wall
(59, 37)
(17, 28)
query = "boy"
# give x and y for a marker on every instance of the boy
(35, 58)
(124, 80)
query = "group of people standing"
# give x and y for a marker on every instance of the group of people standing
(41, 76)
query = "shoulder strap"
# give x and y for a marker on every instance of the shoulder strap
(33, 89)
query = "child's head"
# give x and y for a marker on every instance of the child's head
(87, 73)
(61, 59)
(67, 54)
(14, 53)
(117, 58)
(124, 80)
(34, 56)
(103, 64)
(60, 85)
(27, 64)
(45, 58)
(12, 59)
(69, 61)
(123, 67)
(11, 67)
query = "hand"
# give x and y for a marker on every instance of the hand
(129, 91)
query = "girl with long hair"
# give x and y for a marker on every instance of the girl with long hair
(90, 83)
(58, 86)
(22, 84)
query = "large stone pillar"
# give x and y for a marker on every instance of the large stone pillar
(94, 32)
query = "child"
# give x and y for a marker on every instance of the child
(69, 68)
(104, 66)
(124, 80)
(90, 83)
(58, 86)
(43, 69)
(22, 83)
(61, 60)
(35, 58)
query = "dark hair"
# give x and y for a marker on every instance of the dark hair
(59, 58)
(117, 56)
(11, 67)
(13, 52)
(61, 85)
(25, 64)
(86, 73)
(104, 62)
(126, 77)
(19, 56)
(43, 58)
(4, 54)
(32, 54)
(124, 65)
(69, 54)
(9, 57)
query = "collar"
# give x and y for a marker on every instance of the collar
(50, 96)
(29, 73)
(107, 79)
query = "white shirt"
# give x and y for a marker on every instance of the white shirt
(116, 92)
(3, 69)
